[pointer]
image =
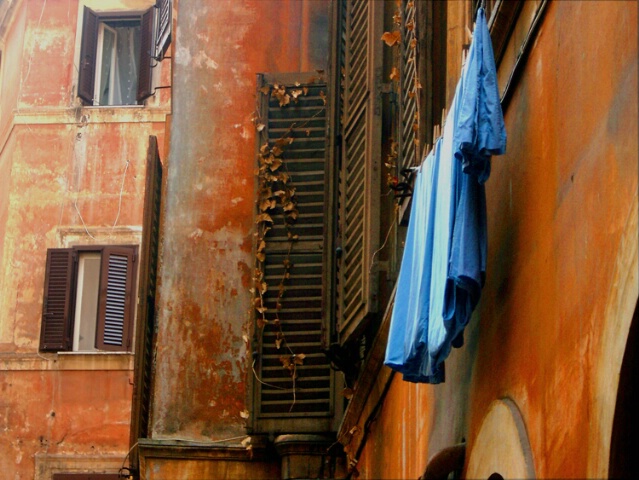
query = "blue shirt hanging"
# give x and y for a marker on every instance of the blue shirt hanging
(480, 130)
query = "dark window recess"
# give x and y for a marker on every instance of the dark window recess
(88, 303)
(107, 39)
(164, 27)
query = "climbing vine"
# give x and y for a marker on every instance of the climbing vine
(276, 196)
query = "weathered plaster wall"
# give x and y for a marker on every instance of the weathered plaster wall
(69, 175)
(63, 412)
(562, 273)
(200, 387)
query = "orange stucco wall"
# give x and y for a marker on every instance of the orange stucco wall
(562, 262)
(201, 387)
(69, 175)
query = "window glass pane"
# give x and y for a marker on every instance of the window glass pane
(126, 66)
(105, 91)
(86, 309)
(118, 62)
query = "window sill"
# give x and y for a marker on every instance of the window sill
(90, 114)
(87, 361)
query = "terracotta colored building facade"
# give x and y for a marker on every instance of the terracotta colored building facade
(73, 182)
(284, 207)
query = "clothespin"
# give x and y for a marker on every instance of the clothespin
(426, 151)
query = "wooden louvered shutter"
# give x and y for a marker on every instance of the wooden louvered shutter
(164, 26)
(145, 330)
(56, 327)
(307, 403)
(147, 51)
(116, 301)
(360, 170)
(88, 51)
(408, 150)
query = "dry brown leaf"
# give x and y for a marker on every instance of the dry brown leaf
(322, 96)
(397, 18)
(392, 38)
(261, 257)
(265, 89)
(263, 217)
(394, 75)
(305, 90)
(277, 163)
(299, 358)
(260, 127)
(413, 43)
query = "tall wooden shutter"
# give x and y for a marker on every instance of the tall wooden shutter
(147, 51)
(360, 170)
(309, 406)
(408, 150)
(88, 51)
(116, 301)
(56, 327)
(145, 330)
(164, 26)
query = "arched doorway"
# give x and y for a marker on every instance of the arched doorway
(625, 428)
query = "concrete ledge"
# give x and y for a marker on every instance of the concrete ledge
(91, 361)
(161, 459)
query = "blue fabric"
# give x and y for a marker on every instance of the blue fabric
(444, 264)
(480, 131)
(418, 364)
(409, 320)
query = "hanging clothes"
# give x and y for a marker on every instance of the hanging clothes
(408, 333)
(480, 130)
(444, 264)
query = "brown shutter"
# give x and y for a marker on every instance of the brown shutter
(164, 27)
(147, 50)
(302, 315)
(408, 150)
(58, 296)
(88, 51)
(116, 301)
(146, 294)
(361, 158)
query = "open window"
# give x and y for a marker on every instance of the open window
(88, 299)
(116, 58)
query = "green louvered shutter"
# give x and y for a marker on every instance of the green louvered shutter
(359, 188)
(308, 407)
